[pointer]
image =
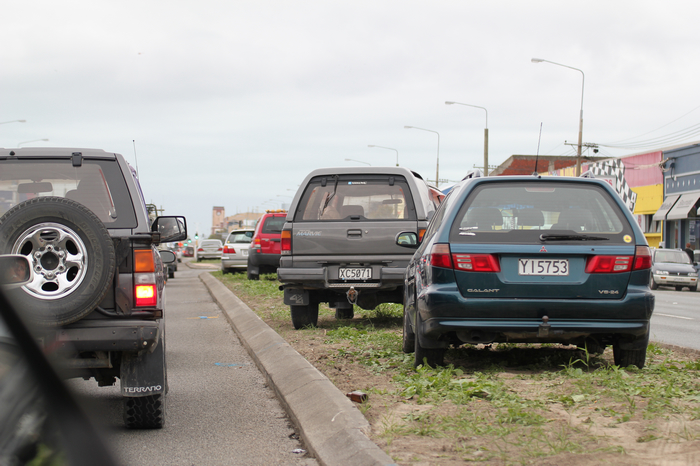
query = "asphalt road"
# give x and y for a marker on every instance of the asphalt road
(676, 318)
(220, 410)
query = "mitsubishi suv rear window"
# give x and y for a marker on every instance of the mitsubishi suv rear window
(356, 197)
(522, 212)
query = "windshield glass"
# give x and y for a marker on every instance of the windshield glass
(673, 257)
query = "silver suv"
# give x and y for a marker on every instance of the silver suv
(339, 240)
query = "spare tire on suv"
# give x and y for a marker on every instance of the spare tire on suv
(71, 253)
(338, 244)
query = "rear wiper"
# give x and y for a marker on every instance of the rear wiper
(572, 238)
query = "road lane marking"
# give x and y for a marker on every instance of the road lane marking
(671, 315)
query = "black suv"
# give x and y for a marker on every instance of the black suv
(96, 296)
(339, 240)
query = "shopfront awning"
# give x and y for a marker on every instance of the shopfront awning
(660, 214)
(683, 206)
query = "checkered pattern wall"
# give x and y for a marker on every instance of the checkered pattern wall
(613, 171)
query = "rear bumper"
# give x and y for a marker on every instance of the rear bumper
(445, 312)
(108, 335)
(230, 263)
(204, 255)
(327, 278)
(266, 260)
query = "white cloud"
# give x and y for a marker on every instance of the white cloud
(233, 103)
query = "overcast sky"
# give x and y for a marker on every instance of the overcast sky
(232, 103)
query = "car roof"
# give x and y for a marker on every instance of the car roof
(59, 152)
(364, 170)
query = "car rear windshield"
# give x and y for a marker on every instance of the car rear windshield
(240, 237)
(358, 197)
(521, 212)
(97, 184)
(273, 224)
(212, 243)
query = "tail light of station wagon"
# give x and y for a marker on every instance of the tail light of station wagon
(229, 250)
(441, 256)
(619, 264)
(145, 292)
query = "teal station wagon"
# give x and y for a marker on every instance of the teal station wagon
(529, 260)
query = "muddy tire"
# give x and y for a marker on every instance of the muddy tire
(433, 357)
(144, 412)
(652, 284)
(304, 316)
(629, 357)
(408, 342)
(71, 255)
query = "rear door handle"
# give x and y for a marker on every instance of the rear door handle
(355, 233)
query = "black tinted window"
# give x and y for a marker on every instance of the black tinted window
(273, 224)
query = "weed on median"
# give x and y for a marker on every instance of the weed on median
(497, 404)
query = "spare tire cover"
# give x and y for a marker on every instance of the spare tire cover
(71, 255)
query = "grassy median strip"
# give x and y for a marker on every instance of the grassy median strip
(499, 404)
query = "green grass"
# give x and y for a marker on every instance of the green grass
(496, 403)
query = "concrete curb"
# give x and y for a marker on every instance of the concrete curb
(331, 426)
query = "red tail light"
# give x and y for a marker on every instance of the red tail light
(440, 256)
(145, 292)
(476, 262)
(609, 264)
(286, 242)
(200, 249)
(229, 250)
(146, 295)
(256, 243)
(642, 258)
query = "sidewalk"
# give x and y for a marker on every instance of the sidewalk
(330, 424)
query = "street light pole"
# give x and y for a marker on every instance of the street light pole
(437, 162)
(486, 134)
(397, 152)
(580, 121)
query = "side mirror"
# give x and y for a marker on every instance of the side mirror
(407, 239)
(170, 228)
(15, 270)
(168, 257)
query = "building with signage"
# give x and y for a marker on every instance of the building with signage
(681, 183)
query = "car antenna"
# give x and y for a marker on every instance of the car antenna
(538, 151)
(137, 160)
